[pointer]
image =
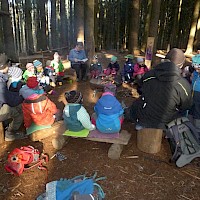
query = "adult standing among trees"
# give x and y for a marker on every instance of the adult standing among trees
(10, 104)
(78, 58)
(165, 93)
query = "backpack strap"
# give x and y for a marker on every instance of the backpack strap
(194, 131)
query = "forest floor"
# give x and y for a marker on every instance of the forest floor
(136, 175)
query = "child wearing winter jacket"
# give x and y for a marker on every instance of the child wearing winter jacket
(36, 107)
(113, 67)
(15, 82)
(76, 117)
(139, 69)
(30, 71)
(108, 115)
(56, 63)
(95, 67)
(127, 72)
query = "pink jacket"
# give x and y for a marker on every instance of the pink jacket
(139, 70)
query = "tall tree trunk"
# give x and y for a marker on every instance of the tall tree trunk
(43, 25)
(134, 27)
(193, 27)
(89, 29)
(153, 27)
(71, 25)
(28, 28)
(8, 32)
(147, 23)
(63, 24)
(53, 25)
(79, 20)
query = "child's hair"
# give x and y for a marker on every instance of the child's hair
(109, 87)
(73, 96)
(48, 62)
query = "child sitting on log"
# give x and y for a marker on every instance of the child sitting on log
(56, 63)
(95, 67)
(127, 72)
(30, 71)
(108, 115)
(37, 108)
(15, 82)
(76, 117)
(113, 67)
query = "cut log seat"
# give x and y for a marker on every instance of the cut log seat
(149, 140)
(1, 133)
(56, 129)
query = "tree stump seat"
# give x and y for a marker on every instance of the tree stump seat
(1, 133)
(149, 140)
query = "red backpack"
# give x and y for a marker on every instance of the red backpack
(19, 159)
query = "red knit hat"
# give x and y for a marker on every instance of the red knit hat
(32, 82)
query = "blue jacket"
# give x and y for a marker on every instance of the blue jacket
(128, 68)
(7, 97)
(76, 54)
(108, 110)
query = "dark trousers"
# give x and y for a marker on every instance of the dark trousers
(80, 69)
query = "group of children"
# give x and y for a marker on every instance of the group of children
(131, 72)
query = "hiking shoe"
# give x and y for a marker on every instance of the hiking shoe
(9, 137)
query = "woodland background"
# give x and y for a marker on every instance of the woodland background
(29, 26)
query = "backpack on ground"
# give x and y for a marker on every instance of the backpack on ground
(20, 159)
(184, 141)
(77, 188)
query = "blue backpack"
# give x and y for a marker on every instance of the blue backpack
(77, 188)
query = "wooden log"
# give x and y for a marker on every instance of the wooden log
(1, 133)
(124, 137)
(115, 151)
(149, 140)
(56, 129)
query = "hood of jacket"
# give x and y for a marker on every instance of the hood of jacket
(165, 72)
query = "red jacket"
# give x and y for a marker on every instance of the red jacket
(40, 110)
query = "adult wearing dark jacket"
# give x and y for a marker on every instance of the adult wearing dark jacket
(164, 94)
(10, 104)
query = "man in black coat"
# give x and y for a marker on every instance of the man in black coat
(10, 104)
(165, 94)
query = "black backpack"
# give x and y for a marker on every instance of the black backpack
(184, 141)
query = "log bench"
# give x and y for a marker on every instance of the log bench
(59, 141)
(114, 151)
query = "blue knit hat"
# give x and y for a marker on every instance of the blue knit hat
(196, 61)
(37, 63)
(113, 59)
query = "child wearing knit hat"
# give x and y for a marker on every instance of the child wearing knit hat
(75, 116)
(139, 69)
(113, 67)
(31, 89)
(30, 71)
(15, 82)
(56, 63)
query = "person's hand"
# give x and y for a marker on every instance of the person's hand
(75, 60)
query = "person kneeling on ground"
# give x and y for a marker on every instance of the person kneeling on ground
(108, 115)
(76, 117)
(165, 93)
(10, 104)
(37, 107)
